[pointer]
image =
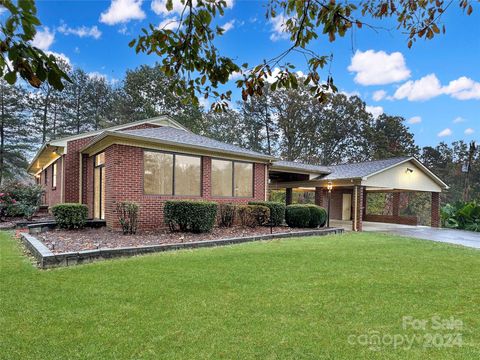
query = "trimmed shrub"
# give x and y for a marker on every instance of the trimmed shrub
(127, 213)
(70, 216)
(253, 215)
(318, 216)
(277, 211)
(191, 216)
(297, 215)
(305, 215)
(227, 214)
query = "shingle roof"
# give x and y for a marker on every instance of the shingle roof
(361, 169)
(169, 134)
(300, 166)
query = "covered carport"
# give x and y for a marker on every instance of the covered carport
(348, 185)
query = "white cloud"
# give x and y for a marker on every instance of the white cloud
(228, 26)
(426, 88)
(159, 7)
(429, 87)
(169, 23)
(122, 11)
(278, 28)
(458, 120)
(415, 120)
(276, 71)
(379, 95)
(463, 88)
(350, 93)
(469, 131)
(82, 31)
(43, 39)
(60, 56)
(378, 68)
(236, 75)
(445, 132)
(376, 111)
(2, 9)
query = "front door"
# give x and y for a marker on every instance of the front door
(99, 187)
(347, 207)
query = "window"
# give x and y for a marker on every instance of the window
(171, 174)
(232, 178)
(243, 179)
(45, 175)
(54, 175)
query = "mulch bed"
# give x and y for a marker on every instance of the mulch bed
(59, 241)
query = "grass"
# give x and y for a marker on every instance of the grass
(296, 298)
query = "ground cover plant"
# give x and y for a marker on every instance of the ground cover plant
(461, 215)
(296, 298)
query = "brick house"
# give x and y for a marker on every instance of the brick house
(153, 160)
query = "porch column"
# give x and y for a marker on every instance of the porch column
(319, 197)
(358, 193)
(435, 206)
(396, 204)
(288, 196)
(364, 213)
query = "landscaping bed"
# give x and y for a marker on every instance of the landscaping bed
(61, 241)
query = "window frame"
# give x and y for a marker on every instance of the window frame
(45, 175)
(200, 193)
(54, 175)
(101, 193)
(233, 179)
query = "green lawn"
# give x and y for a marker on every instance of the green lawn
(296, 298)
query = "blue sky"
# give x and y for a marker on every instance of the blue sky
(435, 85)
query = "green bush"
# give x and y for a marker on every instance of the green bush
(192, 216)
(227, 214)
(318, 216)
(253, 215)
(70, 216)
(305, 215)
(25, 199)
(297, 215)
(277, 211)
(127, 213)
(461, 215)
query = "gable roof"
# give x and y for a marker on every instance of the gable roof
(44, 157)
(298, 166)
(366, 169)
(179, 137)
(362, 169)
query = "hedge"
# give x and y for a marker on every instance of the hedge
(253, 215)
(191, 216)
(70, 216)
(277, 211)
(305, 215)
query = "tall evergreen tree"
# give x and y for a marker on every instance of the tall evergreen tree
(15, 134)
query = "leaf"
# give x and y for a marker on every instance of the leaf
(11, 77)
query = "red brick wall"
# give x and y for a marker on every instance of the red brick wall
(52, 195)
(392, 219)
(124, 182)
(72, 169)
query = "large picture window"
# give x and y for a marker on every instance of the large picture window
(54, 175)
(232, 178)
(171, 174)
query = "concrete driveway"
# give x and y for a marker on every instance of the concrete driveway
(457, 237)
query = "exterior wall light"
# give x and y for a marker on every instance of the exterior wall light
(329, 186)
(409, 171)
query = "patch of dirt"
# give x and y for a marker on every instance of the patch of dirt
(59, 241)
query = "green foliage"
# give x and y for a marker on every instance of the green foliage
(461, 215)
(227, 214)
(253, 215)
(277, 211)
(24, 199)
(70, 215)
(192, 216)
(305, 215)
(18, 56)
(6, 201)
(127, 212)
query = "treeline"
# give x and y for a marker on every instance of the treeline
(286, 123)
